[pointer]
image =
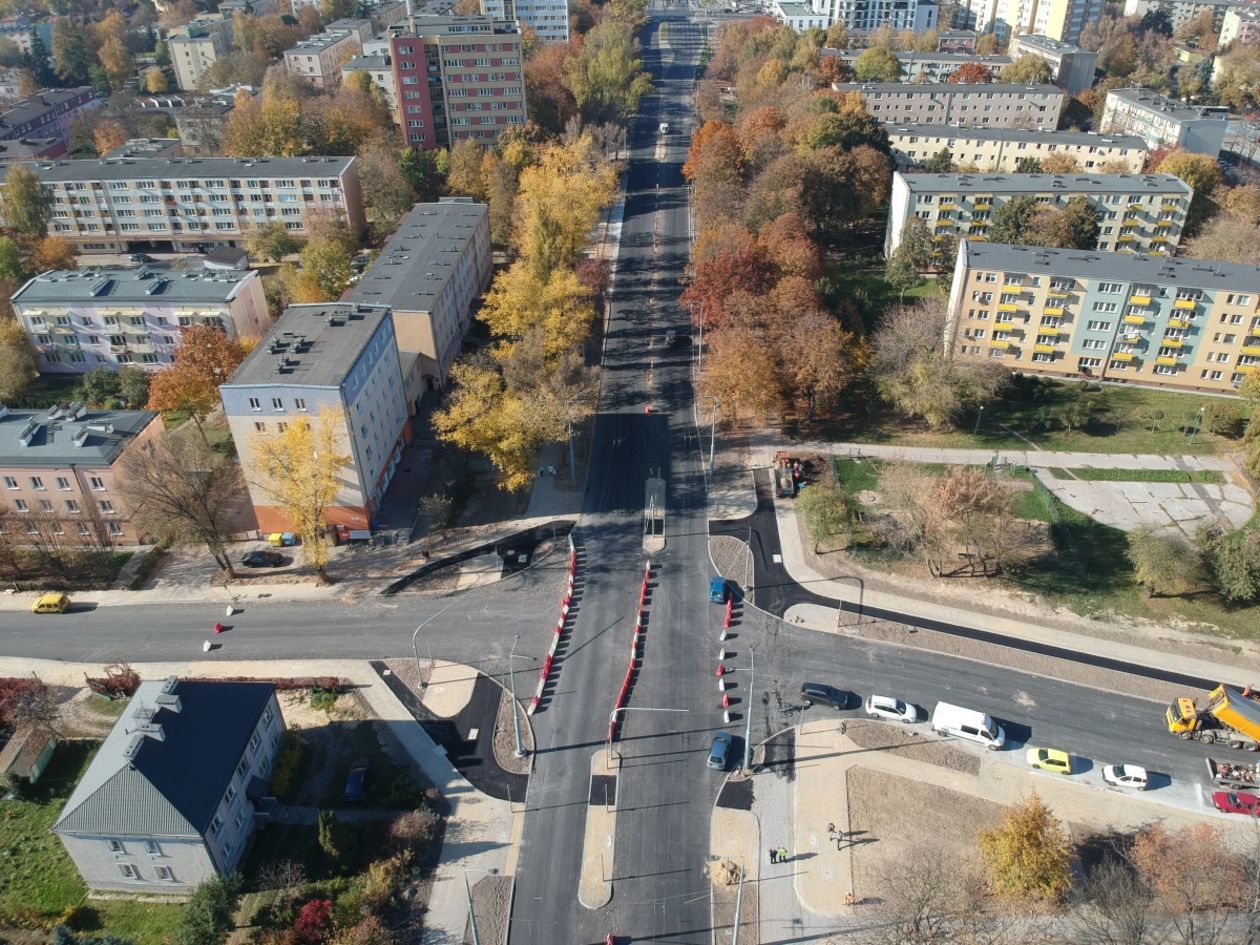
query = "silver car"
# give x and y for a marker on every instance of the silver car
(894, 710)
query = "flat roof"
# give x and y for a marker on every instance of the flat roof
(311, 345)
(1130, 267)
(365, 62)
(951, 88)
(67, 436)
(414, 266)
(912, 57)
(39, 104)
(120, 285)
(443, 24)
(197, 167)
(1047, 183)
(1169, 106)
(1047, 44)
(988, 133)
(321, 41)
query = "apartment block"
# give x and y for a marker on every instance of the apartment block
(59, 472)
(19, 30)
(1241, 25)
(926, 67)
(1165, 122)
(998, 150)
(1181, 12)
(429, 273)
(1187, 324)
(46, 114)
(859, 15)
(196, 47)
(1141, 213)
(78, 320)
(457, 77)
(26, 150)
(319, 58)
(956, 41)
(548, 18)
(995, 105)
(381, 69)
(338, 360)
(361, 28)
(1071, 68)
(193, 204)
(1058, 19)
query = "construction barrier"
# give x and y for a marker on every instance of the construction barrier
(566, 606)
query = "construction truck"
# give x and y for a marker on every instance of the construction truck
(1230, 776)
(1229, 716)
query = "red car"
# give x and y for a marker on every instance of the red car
(1236, 802)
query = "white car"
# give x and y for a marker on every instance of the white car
(1126, 776)
(894, 710)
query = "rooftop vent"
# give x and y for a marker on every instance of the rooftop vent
(28, 431)
(100, 287)
(100, 427)
(80, 436)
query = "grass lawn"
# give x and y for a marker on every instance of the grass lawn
(1139, 475)
(868, 287)
(390, 786)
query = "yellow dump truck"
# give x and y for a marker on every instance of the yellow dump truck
(1229, 716)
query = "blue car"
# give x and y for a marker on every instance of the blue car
(719, 751)
(356, 781)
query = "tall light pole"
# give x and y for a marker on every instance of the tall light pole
(472, 916)
(752, 667)
(1198, 422)
(516, 719)
(979, 417)
(415, 651)
(712, 434)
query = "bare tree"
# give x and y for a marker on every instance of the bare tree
(1198, 880)
(1118, 909)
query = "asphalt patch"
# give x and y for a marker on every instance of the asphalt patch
(603, 790)
(780, 755)
(736, 795)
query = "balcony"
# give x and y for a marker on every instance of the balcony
(1008, 307)
(1130, 224)
(1044, 331)
(1043, 349)
(1059, 293)
(1166, 361)
(1186, 304)
(947, 206)
(1172, 343)
(1125, 356)
(1000, 345)
(1125, 238)
(1251, 351)
(1164, 224)
(1178, 323)
(1135, 319)
(1138, 298)
(1008, 326)
(1245, 368)
(1170, 205)
(1056, 310)
(982, 205)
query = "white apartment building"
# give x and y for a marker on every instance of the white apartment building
(857, 15)
(1165, 122)
(1181, 12)
(319, 58)
(995, 105)
(193, 204)
(381, 69)
(548, 18)
(82, 319)
(1241, 25)
(998, 150)
(925, 67)
(1071, 68)
(1058, 19)
(1141, 213)
(196, 47)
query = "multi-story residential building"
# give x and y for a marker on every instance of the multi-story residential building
(78, 320)
(319, 58)
(996, 105)
(429, 273)
(998, 150)
(361, 28)
(1058, 19)
(196, 47)
(335, 362)
(252, 7)
(177, 788)
(1071, 68)
(1181, 12)
(857, 15)
(1141, 213)
(548, 18)
(956, 41)
(46, 114)
(25, 150)
(193, 204)
(1191, 324)
(1241, 26)
(381, 69)
(1165, 122)
(926, 67)
(59, 472)
(457, 77)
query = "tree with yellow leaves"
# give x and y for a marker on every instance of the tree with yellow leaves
(558, 305)
(204, 359)
(300, 468)
(1028, 855)
(54, 252)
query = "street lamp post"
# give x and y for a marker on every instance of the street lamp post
(415, 651)
(472, 916)
(752, 670)
(712, 435)
(979, 417)
(516, 719)
(1198, 422)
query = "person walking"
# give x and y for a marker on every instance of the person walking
(774, 856)
(783, 857)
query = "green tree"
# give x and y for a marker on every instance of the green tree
(337, 839)
(827, 514)
(99, 387)
(27, 203)
(877, 64)
(207, 917)
(939, 163)
(1027, 70)
(1076, 226)
(73, 51)
(916, 245)
(901, 273)
(1233, 563)
(11, 264)
(271, 240)
(422, 171)
(17, 362)
(606, 77)
(327, 263)
(1028, 856)
(1028, 165)
(133, 386)
(1012, 220)
(1163, 563)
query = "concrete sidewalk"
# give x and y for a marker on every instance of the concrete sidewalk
(482, 834)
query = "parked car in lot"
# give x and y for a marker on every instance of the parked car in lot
(51, 603)
(356, 780)
(719, 751)
(1236, 802)
(894, 710)
(1126, 776)
(1050, 759)
(812, 692)
(262, 559)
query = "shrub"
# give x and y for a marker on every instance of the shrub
(385, 879)
(1233, 563)
(207, 918)
(152, 558)
(324, 699)
(337, 839)
(368, 931)
(288, 761)
(413, 831)
(1222, 418)
(312, 921)
(1028, 856)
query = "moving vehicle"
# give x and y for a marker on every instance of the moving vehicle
(139, 257)
(356, 780)
(53, 602)
(1050, 759)
(717, 589)
(1126, 776)
(262, 559)
(719, 751)
(663, 128)
(1236, 802)
(1230, 716)
(968, 724)
(823, 694)
(1226, 774)
(894, 710)
(671, 338)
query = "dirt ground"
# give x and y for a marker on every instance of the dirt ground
(723, 902)
(84, 714)
(492, 904)
(908, 744)
(319, 737)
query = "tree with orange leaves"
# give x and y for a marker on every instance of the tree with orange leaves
(54, 252)
(971, 73)
(715, 155)
(204, 359)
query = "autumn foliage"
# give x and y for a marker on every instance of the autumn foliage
(204, 359)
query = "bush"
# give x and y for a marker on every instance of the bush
(324, 699)
(414, 831)
(288, 761)
(1233, 563)
(152, 558)
(385, 879)
(1223, 418)
(207, 918)
(338, 839)
(312, 921)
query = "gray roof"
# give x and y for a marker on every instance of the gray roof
(194, 167)
(106, 285)
(366, 62)
(347, 23)
(913, 57)
(320, 42)
(1018, 134)
(1045, 44)
(952, 88)
(141, 784)
(26, 149)
(1168, 107)
(1047, 183)
(1147, 270)
(422, 23)
(39, 103)
(311, 345)
(71, 437)
(147, 148)
(416, 263)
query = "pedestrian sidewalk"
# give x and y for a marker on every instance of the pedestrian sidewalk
(482, 834)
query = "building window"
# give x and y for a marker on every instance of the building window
(152, 847)
(243, 768)
(107, 506)
(165, 874)
(63, 483)
(45, 505)
(37, 483)
(255, 403)
(260, 427)
(215, 826)
(97, 483)
(116, 846)
(128, 871)
(20, 505)
(10, 482)
(82, 529)
(115, 529)
(277, 403)
(72, 505)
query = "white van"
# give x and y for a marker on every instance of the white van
(974, 726)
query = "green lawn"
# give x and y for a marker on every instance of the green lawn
(866, 285)
(390, 786)
(1139, 475)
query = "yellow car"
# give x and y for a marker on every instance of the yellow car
(52, 603)
(1050, 759)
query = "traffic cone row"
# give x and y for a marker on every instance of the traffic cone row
(566, 605)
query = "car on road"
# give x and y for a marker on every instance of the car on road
(1050, 759)
(825, 695)
(139, 257)
(356, 780)
(262, 559)
(671, 338)
(51, 603)
(1132, 777)
(719, 751)
(894, 710)
(1236, 802)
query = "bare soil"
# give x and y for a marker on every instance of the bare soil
(492, 904)
(86, 715)
(723, 902)
(320, 738)
(895, 740)
(729, 556)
